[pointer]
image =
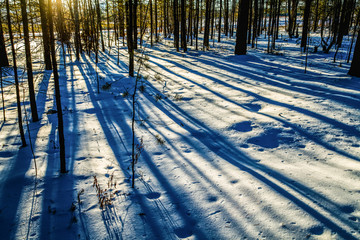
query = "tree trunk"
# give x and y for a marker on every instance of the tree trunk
(212, 19)
(292, 7)
(255, 26)
(45, 35)
(355, 63)
(4, 61)
(22, 135)
(34, 113)
(208, 8)
(108, 22)
(134, 17)
(57, 91)
(130, 43)
(242, 25)
(176, 25)
(250, 22)
(197, 24)
(165, 18)
(316, 17)
(98, 12)
(156, 22)
(219, 36)
(305, 24)
(183, 25)
(151, 24)
(77, 30)
(226, 18)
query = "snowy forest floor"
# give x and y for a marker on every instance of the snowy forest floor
(235, 147)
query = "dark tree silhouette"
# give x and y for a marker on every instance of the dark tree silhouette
(30, 76)
(3, 55)
(45, 34)
(355, 64)
(242, 27)
(22, 135)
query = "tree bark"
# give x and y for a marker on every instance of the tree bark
(134, 17)
(57, 91)
(151, 24)
(4, 61)
(34, 113)
(197, 24)
(77, 30)
(183, 25)
(45, 35)
(219, 36)
(98, 11)
(208, 7)
(305, 24)
(156, 22)
(226, 18)
(22, 135)
(241, 32)
(255, 23)
(176, 25)
(130, 43)
(355, 63)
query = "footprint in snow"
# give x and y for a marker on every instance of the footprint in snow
(183, 232)
(153, 195)
(242, 126)
(268, 139)
(271, 139)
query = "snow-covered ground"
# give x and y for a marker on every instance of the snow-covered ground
(235, 147)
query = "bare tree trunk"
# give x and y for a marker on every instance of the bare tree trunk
(197, 24)
(226, 18)
(208, 8)
(354, 68)
(45, 35)
(4, 61)
(250, 22)
(190, 23)
(156, 22)
(34, 113)
(255, 26)
(176, 25)
(151, 24)
(316, 18)
(134, 18)
(98, 12)
(57, 91)
(243, 16)
(108, 22)
(77, 30)
(130, 42)
(305, 24)
(165, 18)
(233, 18)
(212, 18)
(22, 135)
(219, 36)
(183, 25)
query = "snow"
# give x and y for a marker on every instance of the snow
(253, 148)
